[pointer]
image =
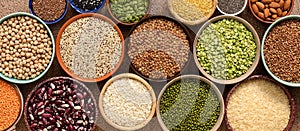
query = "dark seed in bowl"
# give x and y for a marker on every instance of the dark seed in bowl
(87, 5)
(61, 104)
(231, 6)
(44, 9)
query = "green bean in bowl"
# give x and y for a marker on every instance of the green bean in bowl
(226, 49)
(128, 12)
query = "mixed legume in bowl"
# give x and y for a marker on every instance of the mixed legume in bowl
(27, 48)
(11, 105)
(60, 103)
(268, 11)
(90, 47)
(231, 7)
(159, 48)
(87, 6)
(259, 103)
(44, 10)
(127, 102)
(192, 12)
(280, 50)
(190, 102)
(128, 12)
(226, 49)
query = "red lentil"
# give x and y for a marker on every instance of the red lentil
(10, 105)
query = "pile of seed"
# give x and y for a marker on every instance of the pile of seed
(90, 47)
(158, 48)
(258, 105)
(226, 49)
(25, 48)
(10, 105)
(87, 5)
(191, 9)
(129, 11)
(281, 50)
(127, 102)
(231, 6)
(189, 104)
(61, 104)
(44, 9)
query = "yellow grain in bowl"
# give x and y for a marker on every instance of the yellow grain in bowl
(257, 105)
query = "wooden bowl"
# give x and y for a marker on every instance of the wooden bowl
(59, 57)
(266, 21)
(124, 23)
(212, 85)
(289, 96)
(188, 22)
(135, 77)
(255, 62)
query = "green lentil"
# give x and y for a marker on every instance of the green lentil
(129, 11)
(189, 104)
(226, 49)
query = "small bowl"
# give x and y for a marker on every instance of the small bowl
(256, 77)
(124, 23)
(135, 77)
(266, 21)
(14, 125)
(213, 86)
(291, 84)
(59, 78)
(184, 28)
(18, 81)
(59, 57)
(49, 22)
(257, 56)
(84, 11)
(188, 22)
(237, 13)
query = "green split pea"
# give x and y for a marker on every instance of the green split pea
(189, 104)
(226, 49)
(129, 11)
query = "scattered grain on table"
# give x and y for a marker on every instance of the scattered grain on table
(258, 105)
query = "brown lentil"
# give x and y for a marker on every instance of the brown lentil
(281, 50)
(158, 48)
(90, 47)
(10, 105)
(25, 48)
(46, 11)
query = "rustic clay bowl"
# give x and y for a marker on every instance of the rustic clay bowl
(200, 78)
(257, 77)
(255, 62)
(135, 77)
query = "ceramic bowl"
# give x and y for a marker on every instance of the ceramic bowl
(87, 11)
(236, 13)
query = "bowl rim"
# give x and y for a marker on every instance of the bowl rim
(18, 81)
(285, 18)
(49, 22)
(17, 90)
(89, 11)
(188, 37)
(236, 13)
(57, 78)
(287, 93)
(124, 23)
(137, 78)
(269, 22)
(61, 62)
(212, 85)
(250, 69)
(188, 22)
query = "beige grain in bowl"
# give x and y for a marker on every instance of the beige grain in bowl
(192, 12)
(127, 102)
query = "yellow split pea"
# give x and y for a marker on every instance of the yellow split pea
(192, 9)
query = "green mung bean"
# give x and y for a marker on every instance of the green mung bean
(226, 49)
(129, 11)
(189, 104)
